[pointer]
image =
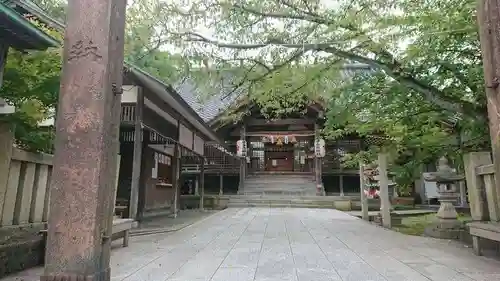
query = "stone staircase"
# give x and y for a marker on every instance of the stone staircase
(281, 190)
(287, 201)
(279, 184)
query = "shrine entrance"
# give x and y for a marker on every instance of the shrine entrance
(279, 158)
(280, 154)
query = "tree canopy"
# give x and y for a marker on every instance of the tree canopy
(424, 89)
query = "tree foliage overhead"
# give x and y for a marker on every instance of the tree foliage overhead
(440, 61)
(31, 83)
(424, 91)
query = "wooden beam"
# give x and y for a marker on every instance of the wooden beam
(137, 157)
(4, 48)
(236, 133)
(288, 121)
(242, 161)
(202, 184)
(176, 161)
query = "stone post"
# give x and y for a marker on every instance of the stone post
(385, 203)
(477, 201)
(78, 241)
(364, 200)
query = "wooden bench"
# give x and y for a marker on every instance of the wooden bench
(487, 230)
(121, 229)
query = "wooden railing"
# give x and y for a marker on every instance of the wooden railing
(211, 168)
(26, 197)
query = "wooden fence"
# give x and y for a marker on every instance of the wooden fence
(483, 194)
(24, 198)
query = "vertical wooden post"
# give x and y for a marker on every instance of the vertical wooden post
(243, 163)
(85, 149)
(364, 200)
(137, 157)
(221, 184)
(477, 202)
(202, 184)
(4, 49)
(175, 177)
(116, 50)
(488, 16)
(385, 203)
(341, 184)
(196, 186)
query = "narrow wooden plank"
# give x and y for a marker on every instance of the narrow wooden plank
(40, 189)
(24, 194)
(47, 196)
(10, 195)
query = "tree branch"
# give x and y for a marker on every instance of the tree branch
(430, 93)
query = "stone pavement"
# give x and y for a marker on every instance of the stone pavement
(168, 224)
(265, 244)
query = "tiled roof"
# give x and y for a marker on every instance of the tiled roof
(210, 105)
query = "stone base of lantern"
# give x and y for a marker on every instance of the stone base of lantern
(444, 229)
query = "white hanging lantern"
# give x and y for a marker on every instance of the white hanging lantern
(241, 148)
(319, 148)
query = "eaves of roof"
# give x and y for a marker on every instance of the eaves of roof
(21, 34)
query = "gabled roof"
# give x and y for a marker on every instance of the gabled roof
(213, 106)
(170, 96)
(21, 34)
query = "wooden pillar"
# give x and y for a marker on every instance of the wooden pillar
(317, 163)
(243, 161)
(221, 184)
(364, 200)
(385, 203)
(489, 27)
(196, 186)
(175, 178)
(341, 184)
(4, 49)
(202, 184)
(137, 157)
(77, 246)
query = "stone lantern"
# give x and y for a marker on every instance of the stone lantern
(446, 225)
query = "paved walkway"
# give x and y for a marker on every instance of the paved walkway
(293, 245)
